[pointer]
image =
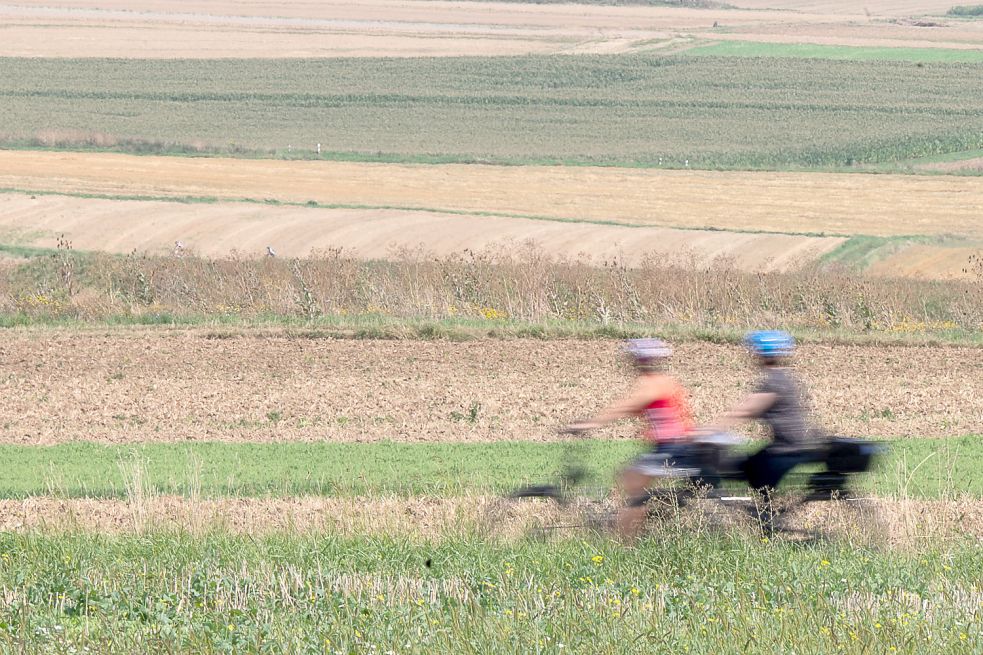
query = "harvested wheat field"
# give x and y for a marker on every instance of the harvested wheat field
(130, 386)
(835, 204)
(217, 230)
(900, 521)
(401, 28)
(246, 229)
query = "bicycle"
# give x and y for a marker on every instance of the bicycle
(709, 492)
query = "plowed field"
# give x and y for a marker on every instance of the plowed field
(135, 386)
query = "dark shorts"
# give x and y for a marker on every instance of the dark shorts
(767, 468)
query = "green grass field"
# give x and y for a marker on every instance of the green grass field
(846, 53)
(738, 112)
(171, 593)
(922, 468)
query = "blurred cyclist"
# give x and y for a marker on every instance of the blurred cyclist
(662, 402)
(779, 402)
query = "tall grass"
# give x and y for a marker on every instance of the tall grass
(287, 593)
(503, 285)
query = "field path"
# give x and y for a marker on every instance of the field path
(836, 204)
(128, 386)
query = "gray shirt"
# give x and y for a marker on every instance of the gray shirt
(786, 418)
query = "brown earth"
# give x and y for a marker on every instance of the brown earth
(898, 522)
(125, 386)
(216, 230)
(830, 203)
(253, 28)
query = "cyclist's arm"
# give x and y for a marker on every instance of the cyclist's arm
(750, 408)
(643, 395)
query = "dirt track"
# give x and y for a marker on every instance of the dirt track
(148, 385)
(403, 28)
(840, 204)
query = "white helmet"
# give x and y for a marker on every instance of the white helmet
(648, 349)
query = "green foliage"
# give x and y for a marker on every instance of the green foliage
(640, 110)
(966, 10)
(174, 593)
(849, 53)
(924, 468)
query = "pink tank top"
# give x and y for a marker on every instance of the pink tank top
(668, 418)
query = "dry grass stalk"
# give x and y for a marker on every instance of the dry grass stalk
(900, 523)
(519, 282)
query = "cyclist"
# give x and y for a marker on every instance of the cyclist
(779, 402)
(662, 402)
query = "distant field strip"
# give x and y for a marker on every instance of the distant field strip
(405, 28)
(832, 204)
(916, 468)
(671, 111)
(219, 229)
(971, 53)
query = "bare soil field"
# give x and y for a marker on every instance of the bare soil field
(829, 203)
(217, 230)
(900, 522)
(125, 386)
(219, 28)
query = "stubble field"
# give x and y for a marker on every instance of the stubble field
(834, 204)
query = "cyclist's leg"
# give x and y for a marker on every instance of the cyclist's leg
(634, 484)
(774, 467)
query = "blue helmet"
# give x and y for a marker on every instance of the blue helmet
(770, 343)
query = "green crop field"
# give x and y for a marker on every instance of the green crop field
(924, 468)
(739, 112)
(849, 53)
